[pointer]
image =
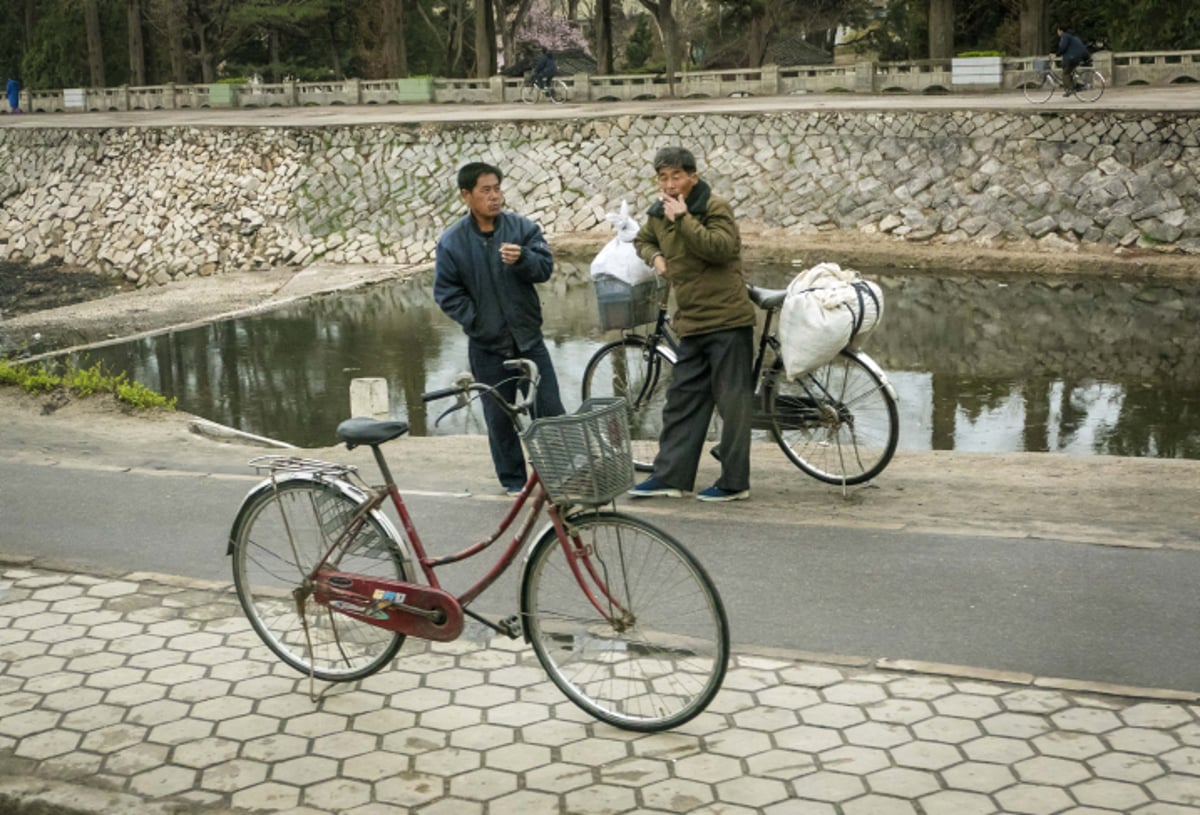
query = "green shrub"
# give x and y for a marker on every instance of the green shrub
(83, 382)
(982, 54)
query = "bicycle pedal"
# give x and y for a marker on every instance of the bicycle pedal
(510, 627)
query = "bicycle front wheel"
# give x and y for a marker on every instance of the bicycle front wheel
(1089, 84)
(559, 92)
(1037, 90)
(629, 626)
(281, 533)
(839, 423)
(630, 368)
(530, 93)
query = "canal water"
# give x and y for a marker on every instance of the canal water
(1081, 365)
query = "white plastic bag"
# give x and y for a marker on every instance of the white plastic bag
(619, 258)
(827, 308)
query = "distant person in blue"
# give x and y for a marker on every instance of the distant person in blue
(1073, 52)
(544, 69)
(14, 96)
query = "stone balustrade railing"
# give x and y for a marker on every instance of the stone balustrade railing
(922, 76)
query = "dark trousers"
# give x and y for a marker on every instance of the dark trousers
(713, 371)
(488, 367)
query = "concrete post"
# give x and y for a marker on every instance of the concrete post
(369, 397)
(864, 77)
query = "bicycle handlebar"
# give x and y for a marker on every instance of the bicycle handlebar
(465, 387)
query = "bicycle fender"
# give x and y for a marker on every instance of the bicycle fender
(874, 368)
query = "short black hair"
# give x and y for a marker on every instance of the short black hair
(468, 174)
(678, 158)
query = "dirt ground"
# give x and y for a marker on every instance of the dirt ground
(1101, 500)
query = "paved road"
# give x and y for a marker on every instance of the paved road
(1157, 100)
(1048, 607)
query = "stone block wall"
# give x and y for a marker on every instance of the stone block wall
(155, 204)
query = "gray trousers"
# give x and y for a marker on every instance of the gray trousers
(714, 371)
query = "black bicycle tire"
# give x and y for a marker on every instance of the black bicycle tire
(1090, 84)
(1038, 91)
(677, 645)
(818, 444)
(643, 445)
(559, 91)
(277, 623)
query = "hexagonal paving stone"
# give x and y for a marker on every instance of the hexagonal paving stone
(677, 795)
(634, 772)
(787, 697)
(948, 729)
(1086, 720)
(976, 776)
(275, 748)
(180, 731)
(271, 796)
(312, 725)
(162, 781)
(1117, 795)
(601, 798)
(1175, 789)
(481, 737)
(517, 757)
(954, 802)
(447, 761)
(878, 805)
(136, 759)
(925, 755)
(1126, 767)
(854, 693)
(234, 775)
(1033, 700)
(526, 802)
(899, 711)
(766, 719)
(42, 746)
(1053, 771)
(828, 714)
(304, 770)
(1155, 714)
(409, 789)
(806, 739)
(828, 786)
(344, 745)
(997, 749)
(731, 743)
(451, 718)
(1141, 740)
(337, 794)
(813, 676)
(1184, 760)
(781, 764)
(903, 782)
(483, 784)
(1015, 725)
(708, 768)
(205, 752)
(28, 722)
(112, 739)
(877, 734)
(595, 751)
(1033, 799)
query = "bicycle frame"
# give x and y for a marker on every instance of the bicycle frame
(356, 595)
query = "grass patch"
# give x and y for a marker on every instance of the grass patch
(37, 379)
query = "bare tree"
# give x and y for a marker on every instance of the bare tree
(604, 36)
(941, 29)
(668, 30)
(95, 42)
(137, 51)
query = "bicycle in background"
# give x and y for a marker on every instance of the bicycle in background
(1044, 80)
(625, 621)
(839, 423)
(556, 90)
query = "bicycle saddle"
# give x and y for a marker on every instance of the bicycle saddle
(767, 298)
(360, 430)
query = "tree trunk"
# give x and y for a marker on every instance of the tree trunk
(485, 39)
(668, 32)
(1034, 22)
(941, 29)
(175, 47)
(759, 33)
(604, 33)
(335, 59)
(95, 43)
(137, 51)
(30, 23)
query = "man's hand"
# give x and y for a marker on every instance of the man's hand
(510, 253)
(674, 207)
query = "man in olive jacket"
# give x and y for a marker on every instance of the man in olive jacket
(691, 238)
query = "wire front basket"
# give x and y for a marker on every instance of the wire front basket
(1041, 67)
(583, 458)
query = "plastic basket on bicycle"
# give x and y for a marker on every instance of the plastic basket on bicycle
(583, 457)
(1041, 67)
(623, 305)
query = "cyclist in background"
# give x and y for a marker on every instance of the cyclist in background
(544, 69)
(1073, 53)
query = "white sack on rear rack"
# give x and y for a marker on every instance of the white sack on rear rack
(827, 308)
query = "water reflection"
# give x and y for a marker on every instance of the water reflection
(1085, 366)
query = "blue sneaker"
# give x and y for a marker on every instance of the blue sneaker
(652, 487)
(715, 493)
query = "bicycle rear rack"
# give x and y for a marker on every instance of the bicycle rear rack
(297, 464)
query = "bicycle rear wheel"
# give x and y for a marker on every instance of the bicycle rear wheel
(630, 369)
(1089, 84)
(559, 92)
(1037, 90)
(838, 423)
(280, 533)
(648, 649)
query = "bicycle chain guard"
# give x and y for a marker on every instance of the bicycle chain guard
(408, 608)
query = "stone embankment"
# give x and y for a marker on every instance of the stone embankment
(156, 204)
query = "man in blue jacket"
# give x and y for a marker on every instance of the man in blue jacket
(486, 266)
(1073, 52)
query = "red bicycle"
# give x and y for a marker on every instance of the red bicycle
(625, 621)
